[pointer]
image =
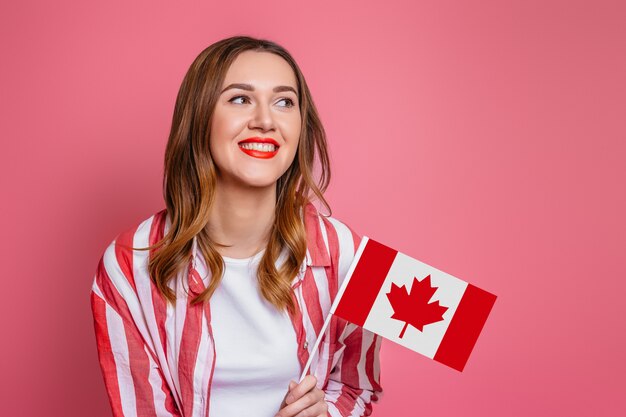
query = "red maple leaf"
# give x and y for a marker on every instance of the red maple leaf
(414, 308)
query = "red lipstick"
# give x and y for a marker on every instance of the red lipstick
(259, 154)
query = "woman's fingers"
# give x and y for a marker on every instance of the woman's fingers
(302, 388)
(311, 404)
(304, 400)
(292, 385)
(319, 409)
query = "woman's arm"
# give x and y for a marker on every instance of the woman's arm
(354, 383)
(132, 376)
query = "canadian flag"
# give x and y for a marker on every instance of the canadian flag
(413, 304)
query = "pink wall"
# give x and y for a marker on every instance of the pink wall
(486, 140)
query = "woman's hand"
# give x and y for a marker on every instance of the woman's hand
(304, 400)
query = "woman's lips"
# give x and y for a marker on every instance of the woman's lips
(256, 153)
(259, 154)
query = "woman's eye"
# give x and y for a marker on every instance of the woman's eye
(290, 101)
(237, 97)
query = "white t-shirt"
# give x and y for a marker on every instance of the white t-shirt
(255, 346)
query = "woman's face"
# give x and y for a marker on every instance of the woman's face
(258, 104)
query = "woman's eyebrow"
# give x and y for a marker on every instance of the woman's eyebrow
(248, 87)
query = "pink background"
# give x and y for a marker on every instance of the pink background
(486, 140)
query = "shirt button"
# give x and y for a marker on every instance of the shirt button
(305, 345)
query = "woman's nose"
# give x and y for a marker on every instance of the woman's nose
(262, 118)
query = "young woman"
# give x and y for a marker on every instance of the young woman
(212, 305)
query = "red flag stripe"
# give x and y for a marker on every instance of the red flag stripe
(465, 327)
(365, 283)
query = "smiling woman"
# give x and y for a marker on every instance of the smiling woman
(212, 306)
(268, 110)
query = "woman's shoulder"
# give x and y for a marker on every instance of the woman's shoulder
(141, 234)
(123, 257)
(332, 228)
(337, 236)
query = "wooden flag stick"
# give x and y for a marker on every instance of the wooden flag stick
(344, 284)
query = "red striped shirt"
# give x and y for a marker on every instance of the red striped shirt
(158, 359)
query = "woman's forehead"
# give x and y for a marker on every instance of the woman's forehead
(261, 70)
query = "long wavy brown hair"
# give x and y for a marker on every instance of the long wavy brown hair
(190, 178)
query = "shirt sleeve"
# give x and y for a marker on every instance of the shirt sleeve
(132, 376)
(354, 382)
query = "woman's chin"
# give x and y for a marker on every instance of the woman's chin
(256, 182)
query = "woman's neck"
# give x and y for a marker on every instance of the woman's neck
(243, 219)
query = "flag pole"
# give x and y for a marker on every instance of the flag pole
(315, 346)
(344, 284)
